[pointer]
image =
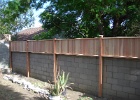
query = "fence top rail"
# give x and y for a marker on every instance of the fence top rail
(121, 37)
(17, 41)
(59, 39)
(40, 40)
(82, 39)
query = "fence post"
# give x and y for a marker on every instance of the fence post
(54, 60)
(100, 68)
(27, 60)
(10, 54)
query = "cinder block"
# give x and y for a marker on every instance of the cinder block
(75, 64)
(124, 70)
(87, 82)
(118, 62)
(115, 69)
(83, 76)
(135, 85)
(135, 72)
(89, 72)
(50, 57)
(130, 77)
(118, 75)
(130, 63)
(72, 80)
(134, 97)
(71, 69)
(81, 86)
(117, 87)
(104, 79)
(80, 70)
(94, 61)
(68, 63)
(39, 72)
(82, 65)
(78, 59)
(79, 81)
(70, 58)
(92, 89)
(108, 62)
(46, 74)
(92, 66)
(109, 68)
(33, 75)
(112, 81)
(32, 70)
(138, 64)
(129, 90)
(122, 94)
(94, 83)
(124, 83)
(50, 70)
(92, 78)
(43, 69)
(50, 65)
(108, 74)
(110, 92)
(106, 85)
(137, 91)
(75, 75)
(44, 77)
(86, 60)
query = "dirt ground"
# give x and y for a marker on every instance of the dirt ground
(12, 91)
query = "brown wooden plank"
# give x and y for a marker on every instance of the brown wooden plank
(27, 60)
(55, 62)
(10, 52)
(100, 69)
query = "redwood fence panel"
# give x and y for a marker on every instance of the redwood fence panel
(18, 46)
(121, 47)
(127, 47)
(40, 46)
(89, 47)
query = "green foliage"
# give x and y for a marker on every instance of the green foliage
(13, 18)
(85, 98)
(60, 85)
(84, 19)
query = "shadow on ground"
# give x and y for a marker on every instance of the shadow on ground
(7, 93)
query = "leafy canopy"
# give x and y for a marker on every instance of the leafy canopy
(86, 18)
(89, 18)
(13, 17)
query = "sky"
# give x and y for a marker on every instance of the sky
(36, 15)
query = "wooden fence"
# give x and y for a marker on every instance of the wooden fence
(111, 47)
(120, 47)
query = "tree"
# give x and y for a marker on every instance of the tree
(89, 18)
(12, 19)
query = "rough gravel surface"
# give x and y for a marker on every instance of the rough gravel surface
(12, 91)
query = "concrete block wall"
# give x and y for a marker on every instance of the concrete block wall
(83, 72)
(19, 62)
(121, 79)
(41, 66)
(4, 54)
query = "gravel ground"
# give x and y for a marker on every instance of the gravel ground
(12, 91)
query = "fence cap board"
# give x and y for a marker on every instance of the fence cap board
(121, 37)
